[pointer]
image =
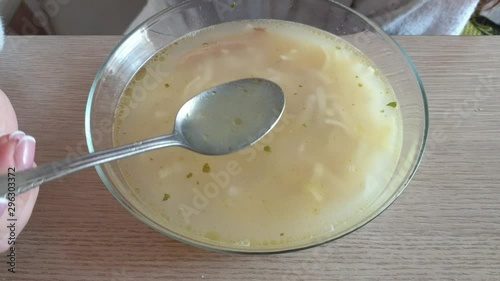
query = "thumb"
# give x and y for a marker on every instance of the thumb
(17, 150)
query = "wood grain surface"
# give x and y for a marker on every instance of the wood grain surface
(445, 226)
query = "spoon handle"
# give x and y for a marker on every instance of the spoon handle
(20, 182)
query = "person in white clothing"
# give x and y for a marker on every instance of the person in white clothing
(396, 17)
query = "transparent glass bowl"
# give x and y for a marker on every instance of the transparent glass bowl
(156, 33)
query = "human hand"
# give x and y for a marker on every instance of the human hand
(16, 150)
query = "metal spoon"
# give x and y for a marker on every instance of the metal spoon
(219, 121)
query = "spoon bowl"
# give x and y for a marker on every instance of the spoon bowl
(230, 117)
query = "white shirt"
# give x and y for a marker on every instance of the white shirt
(396, 17)
(419, 17)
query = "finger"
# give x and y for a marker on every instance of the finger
(24, 153)
(7, 149)
(17, 150)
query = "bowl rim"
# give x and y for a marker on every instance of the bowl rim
(286, 249)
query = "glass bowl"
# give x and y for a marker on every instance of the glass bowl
(188, 16)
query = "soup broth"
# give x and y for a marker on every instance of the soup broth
(332, 153)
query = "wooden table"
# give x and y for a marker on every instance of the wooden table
(445, 226)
